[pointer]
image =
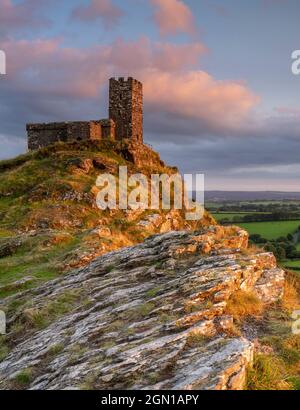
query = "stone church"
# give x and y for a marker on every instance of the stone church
(125, 120)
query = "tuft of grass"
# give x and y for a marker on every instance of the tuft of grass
(288, 348)
(76, 353)
(41, 318)
(267, 373)
(243, 304)
(153, 378)
(295, 382)
(153, 292)
(291, 300)
(90, 382)
(55, 349)
(110, 268)
(24, 378)
(145, 309)
(280, 369)
(4, 349)
(114, 326)
(196, 307)
(196, 339)
(140, 312)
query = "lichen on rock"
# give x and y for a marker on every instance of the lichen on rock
(151, 316)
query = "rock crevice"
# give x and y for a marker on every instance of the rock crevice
(152, 316)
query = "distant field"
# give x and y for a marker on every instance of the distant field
(292, 264)
(221, 215)
(271, 230)
(230, 215)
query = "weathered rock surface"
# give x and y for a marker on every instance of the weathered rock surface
(151, 316)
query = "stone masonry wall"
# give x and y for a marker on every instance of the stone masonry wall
(126, 108)
(42, 135)
(108, 128)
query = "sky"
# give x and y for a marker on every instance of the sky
(220, 97)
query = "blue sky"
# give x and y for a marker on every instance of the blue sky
(220, 97)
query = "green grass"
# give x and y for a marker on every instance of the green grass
(4, 349)
(292, 264)
(41, 318)
(267, 373)
(271, 230)
(34, 259)
(219, 216)
(24, 378)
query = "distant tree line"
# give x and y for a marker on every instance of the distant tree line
(256, 207)
(271, 217)
(283, 247)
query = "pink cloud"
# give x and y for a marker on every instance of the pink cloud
(136, 55)
(173, 86)
(62, 70)
(99, 9)
(173, 16)
(195, 95)
(24, 14)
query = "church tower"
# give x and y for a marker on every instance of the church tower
(126, 108)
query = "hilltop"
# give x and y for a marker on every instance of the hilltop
(49, 220)
(132, 299)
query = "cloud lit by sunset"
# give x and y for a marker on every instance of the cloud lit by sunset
(210, 82)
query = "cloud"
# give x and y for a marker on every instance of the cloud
(44, 66)
(257, 162)
(187, 111)
(13, 146)
(181, 98)
(196, 97)
(22, 15)
(173, 16)
(140, 55)
(99, 9)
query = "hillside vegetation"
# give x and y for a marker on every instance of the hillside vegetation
(176, 304)
(49, 221)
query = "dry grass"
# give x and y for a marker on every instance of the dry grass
(196, 339)
(280, 370)
(250, 250)
(243, 304)
(291, 299)
(268, 373)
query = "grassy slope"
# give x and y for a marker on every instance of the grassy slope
(277, 365)
(47, 206)
(33, 210)
(230, 215)
(271, 230)
(54, 233)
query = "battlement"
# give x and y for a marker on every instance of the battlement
(129, 80)
(125, 119)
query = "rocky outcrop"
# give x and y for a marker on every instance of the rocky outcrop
(151, 316)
